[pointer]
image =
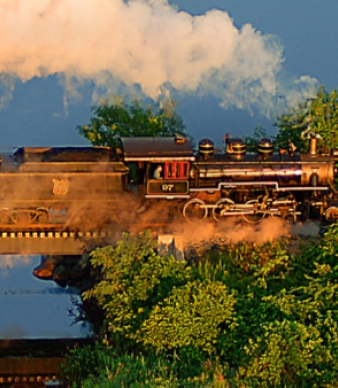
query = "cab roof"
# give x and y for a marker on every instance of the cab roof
(157, 149)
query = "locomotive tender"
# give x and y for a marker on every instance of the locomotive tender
(44, 185)
(68, 186)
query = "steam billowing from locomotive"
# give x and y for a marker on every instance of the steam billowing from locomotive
(144, 46)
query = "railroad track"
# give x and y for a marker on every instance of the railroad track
(53, 234)
(54, 231)
(62, 242)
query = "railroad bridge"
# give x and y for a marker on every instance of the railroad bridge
(18, 242)
(34, 362)
(55, 242)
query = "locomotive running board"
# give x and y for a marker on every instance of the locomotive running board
(268, 183)
(168, 196)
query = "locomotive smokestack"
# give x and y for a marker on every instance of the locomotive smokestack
(313, 140)
(313, 146)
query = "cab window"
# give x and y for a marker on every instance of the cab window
(176, 170)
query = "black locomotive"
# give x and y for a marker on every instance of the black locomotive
(77, 186)
(235, 183)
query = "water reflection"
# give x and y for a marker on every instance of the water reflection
(8, 261)
(32, 308)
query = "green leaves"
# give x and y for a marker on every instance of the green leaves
(191, 315)
(283, 356)
(159, 302)
(134, 280)
(112, 121)
(269, 318)
(319, 115)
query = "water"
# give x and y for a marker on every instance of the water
(32, 308)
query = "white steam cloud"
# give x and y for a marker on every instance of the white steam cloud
(145, 45)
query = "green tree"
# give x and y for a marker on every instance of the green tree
(318, 115)
(245, 314)
(190, 316)
(158, 303)
(120, 119)
(258, 134)
(134, 280)
(298, 346)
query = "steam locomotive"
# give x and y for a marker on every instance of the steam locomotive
(235, 183)
(68, 186)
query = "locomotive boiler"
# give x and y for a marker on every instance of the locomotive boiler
(237, 183)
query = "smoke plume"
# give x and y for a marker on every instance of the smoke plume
(147, 46)
(235, 231)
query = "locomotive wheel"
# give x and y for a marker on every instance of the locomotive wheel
(193, 211)
(223, 205)
(331, 214)
(21, 217)
(42, 215)
(253, 218)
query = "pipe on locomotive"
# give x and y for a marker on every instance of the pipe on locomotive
(313, 138)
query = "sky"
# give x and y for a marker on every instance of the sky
(230, 64)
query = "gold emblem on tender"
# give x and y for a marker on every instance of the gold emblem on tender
(60, 186)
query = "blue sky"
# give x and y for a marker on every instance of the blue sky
(36, 113)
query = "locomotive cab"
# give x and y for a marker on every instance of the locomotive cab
(169, 179)
(166, 163)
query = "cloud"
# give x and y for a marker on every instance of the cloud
(145, 46)
(9, 261)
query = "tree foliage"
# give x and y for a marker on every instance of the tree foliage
(134, 280)
(121, 119)
(158, 301)
(299, 346)
(252, 141)
(243, 315)
(190, 316)
(318, 115)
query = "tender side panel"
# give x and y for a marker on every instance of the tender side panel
(40, 189)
